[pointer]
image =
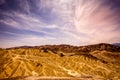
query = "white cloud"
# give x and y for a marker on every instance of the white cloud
(95, 20)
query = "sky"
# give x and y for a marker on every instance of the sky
(74, 22)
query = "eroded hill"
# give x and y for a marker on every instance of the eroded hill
(100, 61)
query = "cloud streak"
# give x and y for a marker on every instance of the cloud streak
(96, 20)
(76, 22)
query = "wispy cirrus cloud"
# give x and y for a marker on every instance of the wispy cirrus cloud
(96, 20)
(77, 22)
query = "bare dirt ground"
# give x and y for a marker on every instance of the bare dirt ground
(51, 78)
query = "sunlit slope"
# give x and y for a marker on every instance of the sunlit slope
(38, 62)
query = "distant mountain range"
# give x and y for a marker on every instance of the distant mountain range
(116, 44)
(69, 48)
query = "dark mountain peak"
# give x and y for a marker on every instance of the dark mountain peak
(20, 47)
(104, 46)
(100, 44)
(116, 44)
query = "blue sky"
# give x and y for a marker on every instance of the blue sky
(75, 22)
